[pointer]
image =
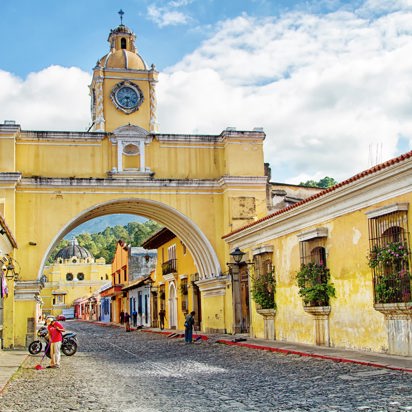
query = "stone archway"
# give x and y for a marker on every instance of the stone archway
(184, 228)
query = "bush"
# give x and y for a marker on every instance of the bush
(313, 280)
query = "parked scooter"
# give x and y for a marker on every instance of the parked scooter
(69, 343)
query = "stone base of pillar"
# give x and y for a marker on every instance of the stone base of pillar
(268, 322)
(321, 323)
(398, 317)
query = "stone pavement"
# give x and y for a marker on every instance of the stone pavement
(401, 363)
(10, 361)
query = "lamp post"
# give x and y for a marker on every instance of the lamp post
(237, 256)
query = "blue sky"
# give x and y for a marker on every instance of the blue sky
(329, 81)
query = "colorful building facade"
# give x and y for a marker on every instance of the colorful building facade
(74, 274)
(174, 285)
(341, 264)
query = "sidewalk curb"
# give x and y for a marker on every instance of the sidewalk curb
(312, 355)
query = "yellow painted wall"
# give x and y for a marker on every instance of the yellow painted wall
(185, 267)
(63, 175)
(353, 321)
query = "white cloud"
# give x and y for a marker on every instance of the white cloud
(326, 88)
(55, 98)
(332, 91)
(168, 15)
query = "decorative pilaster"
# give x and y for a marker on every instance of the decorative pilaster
(153, 107)
(99, 114)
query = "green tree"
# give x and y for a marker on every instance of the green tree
(103, 244)
(322, 183)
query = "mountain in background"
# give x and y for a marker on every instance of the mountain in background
(99, 224)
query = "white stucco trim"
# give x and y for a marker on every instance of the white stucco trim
(396, 207)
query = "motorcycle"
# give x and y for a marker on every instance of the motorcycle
(69, 343)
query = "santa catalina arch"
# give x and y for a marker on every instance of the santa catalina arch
(199, 186)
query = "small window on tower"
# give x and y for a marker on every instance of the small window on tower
(123, 43)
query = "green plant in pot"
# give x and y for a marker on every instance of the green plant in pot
(392, 279)
(313, 280)
(263, 290)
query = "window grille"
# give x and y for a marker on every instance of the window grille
(314, 271)
(263, 264)
(313, 251)
(390, 257)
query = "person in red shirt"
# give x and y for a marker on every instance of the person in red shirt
(55, 338)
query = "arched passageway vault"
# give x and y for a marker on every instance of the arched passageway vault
(184, 228)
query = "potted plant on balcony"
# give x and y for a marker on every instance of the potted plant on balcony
(313, 280)
(391, 272)
(391, 254)
(263, 290)
(183, 289)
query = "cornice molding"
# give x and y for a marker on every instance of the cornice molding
(387, 209)
(313, 234)
(213, 286)
(10, 177)
(139, 182)
(54, 135)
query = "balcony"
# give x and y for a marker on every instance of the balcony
(169, 267)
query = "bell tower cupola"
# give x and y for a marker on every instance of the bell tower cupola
(123, 86)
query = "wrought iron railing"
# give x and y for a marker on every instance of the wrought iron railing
(169, 266)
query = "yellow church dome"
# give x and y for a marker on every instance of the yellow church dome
(122, 59)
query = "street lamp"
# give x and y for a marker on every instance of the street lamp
(9, 270)
(237, 255)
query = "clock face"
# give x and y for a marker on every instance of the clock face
(127, 97)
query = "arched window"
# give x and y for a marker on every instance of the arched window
(69, 276)
(318, 255)
(393, 234)
(123, 43)
(389, 253)
(80, 276)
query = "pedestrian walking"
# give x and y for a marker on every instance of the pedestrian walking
(189, 322)
(121, 317)
(127, 321)
(162, 317)
(134, 316)
(55, 330)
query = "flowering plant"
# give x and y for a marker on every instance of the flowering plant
(263, 290)
(389, 254)
(313, 280)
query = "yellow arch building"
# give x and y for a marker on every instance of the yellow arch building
(199, 186)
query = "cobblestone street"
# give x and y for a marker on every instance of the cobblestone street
(118, 371)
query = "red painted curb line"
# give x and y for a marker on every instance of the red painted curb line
(312, 355)
(178, 335)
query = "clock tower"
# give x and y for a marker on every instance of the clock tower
(123, 87)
